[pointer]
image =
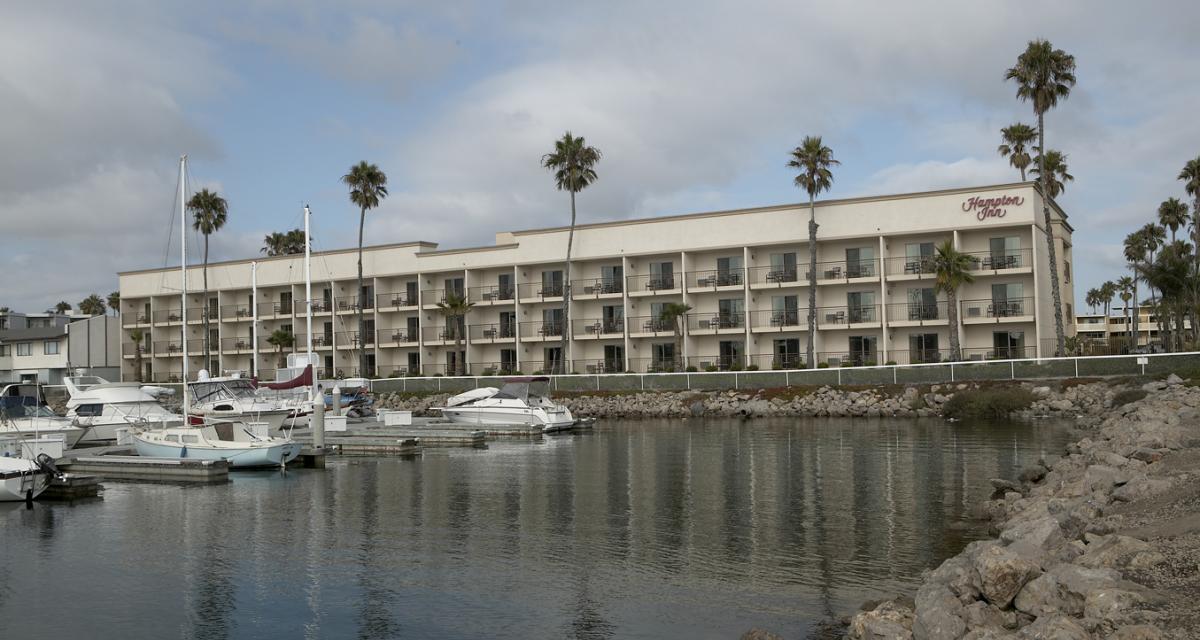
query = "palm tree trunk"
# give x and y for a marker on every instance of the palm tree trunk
(1022, 174)
(812, 281)
(566, 328)
(362, 325)
(1055, 290)
(1137, 307)
(679, 359)
(204, 312)
(952, 312)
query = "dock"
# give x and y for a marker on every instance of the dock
(122, 467)
(72, 486)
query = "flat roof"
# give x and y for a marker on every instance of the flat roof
(36, 333)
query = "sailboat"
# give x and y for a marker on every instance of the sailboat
(244, 447)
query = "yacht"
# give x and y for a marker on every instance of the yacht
(23, 413)
(105, 406)
(520, 401)
(241, 447)
(236, 398)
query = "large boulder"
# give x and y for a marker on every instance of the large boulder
(888, 621)
(1136, 632)
(938, 614)
(1002, 574)
(1054, 627)
(1119, 552)
(1113, 607)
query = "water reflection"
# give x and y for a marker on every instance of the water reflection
(642, 529)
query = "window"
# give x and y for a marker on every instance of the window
(786, 354)
(454, 287)
(612, 278)
(922, 304)
(24, 349)
(861, 306)
(1004, 253)
(731, 353)
(1066, 271)
(614, 358)
(1069, 314)
(1007, 300)
(729, 271)
(552, 320)
(508, 360)
(552, 361)
(504, 286)
(662, 356)
(923, 347)
(783, 267)
(50, 347)
(730, 312)
(662, 276)
(552, 283)
(285, 301)
(1008, 344)
(3, 350)
(863, 349)
(191, 439)
(860, 262)
(784, 311)
(918, 257)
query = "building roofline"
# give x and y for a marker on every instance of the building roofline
(781, 207)
(292, 256)
(446, 252)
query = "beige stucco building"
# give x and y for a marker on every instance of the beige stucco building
(744, 273)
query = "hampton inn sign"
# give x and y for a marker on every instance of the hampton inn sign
(985, 208)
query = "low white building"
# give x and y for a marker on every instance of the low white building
(743, 273)
(43, 348)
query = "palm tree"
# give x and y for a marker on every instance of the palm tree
(281, 339)
(1125, 288)
(92, 305)
(455, 309)
(1190, 175)
(1045, 75)
(1173, 215)
(1135, 254)
(368, 185)
(1056, 167)
(283, 244)
(62, 307)
(573, 164)
(676, 314)
(1107, 291)
(1172, 273)
(814, 160)
(1016, 145)
(137, 335)
(1092, 298)
(209, 212)
(114, 302)
(952, 269)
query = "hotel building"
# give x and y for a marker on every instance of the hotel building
(743, 274)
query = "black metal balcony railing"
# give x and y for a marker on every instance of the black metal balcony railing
(714, 321)
(493, 368)
(602, 365)
(651, 324)
(131, 348)
(495, 331)
(919, 356)
(996, 308)
(274, 308)
(350, 303)
(350, 339)
(716, 278)
(1017, 352)
(236, 312)
(540, 291)
(777, 361)
(447, 333)
(863, 358)
(780, 319)
(242, 343)
(166, 376)
(848, 315)
(394, 300)
(910, 265)
(594, 287)
(541, 329)
(168, 315)
(319, 340)
(434, 296)
(598, 326)
(653, 283)
(131, 319)
(168, 347)
(654, 365)
(917, 311)
(198, 314)
(727, 362)
(1001, 260)
(319, 305)
(398, 335)
(490, 293)
(781, 276)
(843, 270)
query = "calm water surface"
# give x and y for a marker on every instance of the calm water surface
(634, 530)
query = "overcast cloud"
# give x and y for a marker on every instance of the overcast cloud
(694, 105)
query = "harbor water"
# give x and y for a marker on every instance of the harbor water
(638, 529)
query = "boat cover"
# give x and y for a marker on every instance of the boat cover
(303, 380)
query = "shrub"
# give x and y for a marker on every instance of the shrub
(752, 367)
(489, 372)
(711, 367)
(890, 363)
(691, 368)
(1126, 396)
(822, 365)
(735, 367)
(869, 363)
(993, 402)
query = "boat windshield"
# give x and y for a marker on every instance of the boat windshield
(83, 383)
(513, 391)
(540, 389)
(224, 390)
(23, 407)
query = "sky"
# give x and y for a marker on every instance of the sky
(694, 105)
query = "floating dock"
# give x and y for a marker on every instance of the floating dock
(72, 486)
(119, 467)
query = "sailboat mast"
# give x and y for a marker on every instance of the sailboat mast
(183, 275)
(308, 301)
(254, 319)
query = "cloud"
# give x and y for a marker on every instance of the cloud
(935, 174)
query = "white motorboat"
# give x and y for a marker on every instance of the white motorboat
(243, 449)
(23, 413)
(236, 398)
(105, 406)
(520, 401)
(21, 479)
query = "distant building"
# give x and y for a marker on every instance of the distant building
(45, 347)
(1090, 327)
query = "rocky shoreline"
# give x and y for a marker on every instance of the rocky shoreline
(1100, 543)
(1087, 399)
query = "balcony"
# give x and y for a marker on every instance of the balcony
(915, 314)
(431, 297)
(596, 288)
(541, 331)
(131, 320)
(716, 280)
(653, 285)
(168, 377)
(319, 341)
(168, 316)
(654, 365)
(713, 323)
(842, 271)
(920, 356)
(491, 295)
(777, 277)
(1018, 352)
(987, 262)
(910, 267)
(394, 301)
(197, 315)
(786, 320)
(603, 365)
(493, 368)
(349, 340)
(448, 334)
(646, 326)
(777, 361)
(864, 358)
(268, 310)
(534, 292)
(847, 317)
(347, 304)
(236, 313)
(130, 349)
(488, 333)
(399, 336)
(728, 362)
(168, 348)
(242, 344)
(598, 328)
(320, 306)
(988, 311)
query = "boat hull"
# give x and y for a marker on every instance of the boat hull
(18, 483)
(272, 455)
(505, 416)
